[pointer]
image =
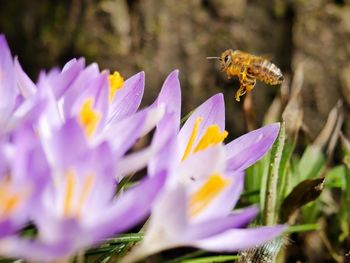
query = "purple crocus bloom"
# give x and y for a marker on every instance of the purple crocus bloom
(206, 126)
(8, 88)
(84, 93)
(68, 192)
(78, 207)
(18, 105)
(23, 176)
(195, 208)
(205, 180)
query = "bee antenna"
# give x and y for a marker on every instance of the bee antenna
(212, 57)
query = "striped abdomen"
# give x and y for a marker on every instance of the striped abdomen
(265, 71)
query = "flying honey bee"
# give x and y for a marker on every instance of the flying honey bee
(248, 68)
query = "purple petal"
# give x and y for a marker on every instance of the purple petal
(61, 83)
(251, 147)
(240, 239)
(171, 201)
(154, 115)
(166, 129)
(29, 111)
(8, 89)
(96, 89)
(51, 117)
(31, 162)
(67, 143)
(123, 134)
(130, 207)
(7, 228)
(25, 84)
(134, 162)
(102, 162)
(218, 225)
(211, 111)
(29, 174)
(170, 95)
(81, 84)
(100, 93)
(128, 99)
(164, 145)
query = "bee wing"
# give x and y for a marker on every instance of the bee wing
(267, 56)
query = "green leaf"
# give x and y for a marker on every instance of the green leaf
(311, 163)
(336, 177)
(255, 177)
(185, 118)
(270, 209)
(302, 228)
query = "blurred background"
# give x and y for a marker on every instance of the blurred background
(159, 36)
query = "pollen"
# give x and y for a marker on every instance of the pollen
(116, 82)
(10, 200)
(192, 138)
(89, 118)
(212, 136)
(86, 189)
(70, 187)
(76, 193)
(202, 198)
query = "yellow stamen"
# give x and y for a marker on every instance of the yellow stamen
(212, 136)
(11, 203)
(116, 82)
(207, 193)
(88, 182)
(10, 200)
(70, 185)
(192, 138)
(89, 118)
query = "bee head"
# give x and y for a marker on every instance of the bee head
(225, 59)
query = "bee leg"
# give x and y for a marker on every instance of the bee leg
(247, 83)
(250, 83)
(240, 92)
(242, 79)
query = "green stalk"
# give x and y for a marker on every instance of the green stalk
(270, 211)
(302, 228)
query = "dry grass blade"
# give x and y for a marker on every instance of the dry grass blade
(327, 131)
(336, 132)
(293, 113)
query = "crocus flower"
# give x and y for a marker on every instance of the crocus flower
(67, 157)
(7, 82)
(205, 180)
(17, 105)
(98, 100)
(104, 105)
(23, 176)
(195, 206)
(78, 208)
(206, 127)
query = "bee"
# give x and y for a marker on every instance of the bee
(248, 68)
